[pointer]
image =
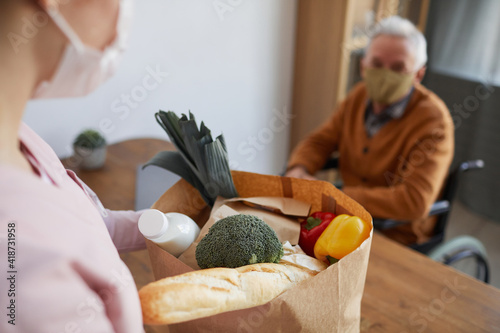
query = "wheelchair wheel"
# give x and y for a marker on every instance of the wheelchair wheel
(464, 253)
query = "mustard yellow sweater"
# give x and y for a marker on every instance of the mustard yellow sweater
(399, 172)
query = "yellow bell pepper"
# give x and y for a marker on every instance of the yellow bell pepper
(342, 236)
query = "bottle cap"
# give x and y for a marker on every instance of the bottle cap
(153, 223)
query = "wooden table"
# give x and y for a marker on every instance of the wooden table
(405, 291)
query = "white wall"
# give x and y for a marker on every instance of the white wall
(228, 61)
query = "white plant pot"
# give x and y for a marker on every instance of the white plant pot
(90, 158)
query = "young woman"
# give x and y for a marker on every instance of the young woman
(59, 246)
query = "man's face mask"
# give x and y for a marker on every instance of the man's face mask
(385, 86)
(82, 68)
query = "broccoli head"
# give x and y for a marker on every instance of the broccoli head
(238, 240)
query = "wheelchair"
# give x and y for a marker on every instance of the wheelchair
(464, 253)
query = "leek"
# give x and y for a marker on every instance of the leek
(200, 160)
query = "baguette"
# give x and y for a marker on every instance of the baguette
(211, 291)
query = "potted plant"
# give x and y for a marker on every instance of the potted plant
(90, 149)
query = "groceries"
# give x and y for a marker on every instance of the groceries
(200, 159)
(329, 237)
(312, 228)
(329, 298)
(243, 264)
(324, 298)
(342, 236)
(173, 232)
(238, 240)
(211, 291)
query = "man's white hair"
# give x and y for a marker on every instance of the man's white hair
(398, 26)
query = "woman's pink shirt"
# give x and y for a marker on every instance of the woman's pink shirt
(67, 273)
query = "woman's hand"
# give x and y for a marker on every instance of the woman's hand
(299, 171)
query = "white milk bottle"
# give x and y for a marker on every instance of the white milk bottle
(173, 232)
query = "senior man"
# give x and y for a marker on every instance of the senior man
(395, 138)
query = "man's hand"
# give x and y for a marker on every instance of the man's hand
(299, 172)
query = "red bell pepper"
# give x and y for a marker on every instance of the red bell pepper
(312, 228)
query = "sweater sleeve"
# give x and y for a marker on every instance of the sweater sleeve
(122, 226)
(314, 150)
(416, 183)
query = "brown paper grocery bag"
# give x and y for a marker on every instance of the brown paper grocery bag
(328, 302)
